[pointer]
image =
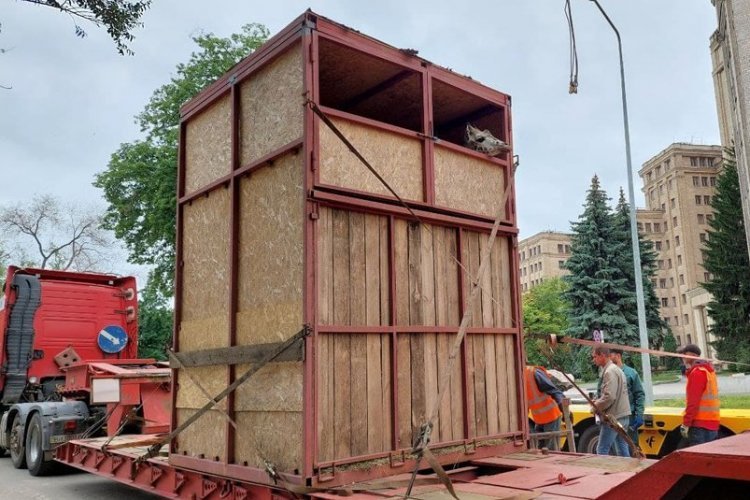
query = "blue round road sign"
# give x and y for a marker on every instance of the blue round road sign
(112, 339)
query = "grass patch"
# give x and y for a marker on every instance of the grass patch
(736, 401)
(668, 376)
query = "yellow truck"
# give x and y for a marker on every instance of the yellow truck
(660, 433)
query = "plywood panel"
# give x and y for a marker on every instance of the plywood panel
(280, 442)
(398, 159)
(275, 387)
(205, 287)
(208, 145)
(272, 106)
(212, 378)
(270, 257)
(204, 437)
(468, 184)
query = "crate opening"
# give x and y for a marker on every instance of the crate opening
(453, 108)
(364, 85)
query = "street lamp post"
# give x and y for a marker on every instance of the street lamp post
(642, 330)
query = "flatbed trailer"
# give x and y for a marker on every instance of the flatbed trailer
(698, 472)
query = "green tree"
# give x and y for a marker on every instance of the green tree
(726, 258)
(545, 311)
(655, 324)
(155, 323)
(139, 183)
(118, 17)
(598, 289)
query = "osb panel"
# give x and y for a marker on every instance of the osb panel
(272, 106)
(205, 286)
(468, 184)
(280, 441)
(211, 378)
(354, 395)
(275, 387)
(271, 253)
(396, 158)
(208, 145)
(352, 268)
(204, 437)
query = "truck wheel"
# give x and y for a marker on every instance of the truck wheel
(589, 440)
(38, 465)
(17, 448)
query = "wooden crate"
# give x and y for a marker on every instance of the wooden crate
(280, 226)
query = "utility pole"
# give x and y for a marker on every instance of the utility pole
(642, 330)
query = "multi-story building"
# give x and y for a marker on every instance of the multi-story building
(542, 257)
(730, 55)
(679, 184)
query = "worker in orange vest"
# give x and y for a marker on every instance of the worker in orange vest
(700, 421)
(545, 401)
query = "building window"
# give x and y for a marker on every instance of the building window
(657, 245)
(671, 282)
(664, 302)
(669, 185)
(685, 319)
(663, 207)
(653, 282)
(693, 161)
(666, 242)
(701, 219)
(676, 320)
(696, 181)
(666, 320)
(710, 162)
(676, 241)
(672, 203)
(706, 276)
(682, 279)
(560, 248)
(689, 339)
(561, 264)
(648, 176)
(704, 181)
(648, 227)
(709, 217)
(540, 266)
(652, 194)
(567, 248)
(702, 162)
(663, 283)
(713, 181)
(669, 263)
(674, 301)
(674, 221)
(702, 237)
(658, 170)
(640, 227)
(697, 199)
(684, 298)
(661, 188)
(678, 338)
(660, 264)
(666, 165)
(706, 200)
(657, 227)
(679, 260)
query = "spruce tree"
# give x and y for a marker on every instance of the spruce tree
(598, 290)
(726, 258)
(656, 326)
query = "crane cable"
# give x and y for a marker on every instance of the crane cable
(573, 87)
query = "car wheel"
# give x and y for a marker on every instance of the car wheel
(17, 446)
(35, 455)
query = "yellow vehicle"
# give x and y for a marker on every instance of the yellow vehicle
(660, 433)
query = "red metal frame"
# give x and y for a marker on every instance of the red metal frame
(307, 31)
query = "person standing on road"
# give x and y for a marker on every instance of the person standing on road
(700, 421)
(612, 400)
(545, 401)
(636, 395)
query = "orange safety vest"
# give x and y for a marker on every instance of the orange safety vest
(708, 408)
(542, 406)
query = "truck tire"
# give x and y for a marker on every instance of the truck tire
(589, 440)
(35, 455)
(17, 445)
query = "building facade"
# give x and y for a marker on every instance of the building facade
(730, 54)
(542, 257)
(679, 184)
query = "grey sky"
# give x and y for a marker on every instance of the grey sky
(73, 100)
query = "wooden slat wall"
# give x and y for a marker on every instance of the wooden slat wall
(354, 381)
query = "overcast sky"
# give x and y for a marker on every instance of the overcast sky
(73, 100)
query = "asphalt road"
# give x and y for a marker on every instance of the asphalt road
(737, 384)
(71, 485)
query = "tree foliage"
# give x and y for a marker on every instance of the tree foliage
(46, 233)
(139, 183)
(655, 324)
(598, 291)
(727, 261)
(155, 322)
(118, 17)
